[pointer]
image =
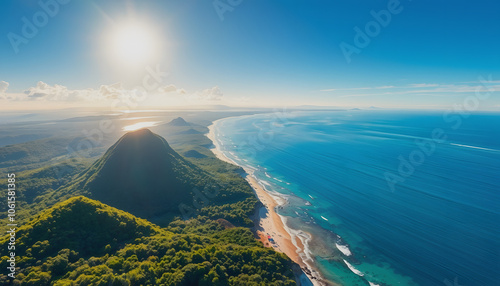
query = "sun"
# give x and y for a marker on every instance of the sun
(133, 43)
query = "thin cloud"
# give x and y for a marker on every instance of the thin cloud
(171, 88)
(210, 94)
(3, 86)
(46, 92)
(359, 88)
(483, 81)
(3, 89)
(422, 89)
(420, 85)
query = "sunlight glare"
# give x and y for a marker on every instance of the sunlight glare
(140, 125)
(133, 43)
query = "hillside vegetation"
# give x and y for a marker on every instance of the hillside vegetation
(84, 242)
(141, 214)
(143, 175)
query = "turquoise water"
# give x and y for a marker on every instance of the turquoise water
(432, 222)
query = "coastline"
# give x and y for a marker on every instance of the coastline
(271, 227)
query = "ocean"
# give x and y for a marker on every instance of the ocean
(389, 197)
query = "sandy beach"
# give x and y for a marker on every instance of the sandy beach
(270, 227)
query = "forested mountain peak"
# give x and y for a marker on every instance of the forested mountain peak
(143, 175)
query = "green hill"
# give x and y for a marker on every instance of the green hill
(37, 153)
(80, 224)
(84, 242)
(143, 175)
(75, 240)
(36, 188)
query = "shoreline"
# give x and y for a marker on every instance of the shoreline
(271, 227)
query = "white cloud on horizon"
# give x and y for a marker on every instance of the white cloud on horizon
(420, 85)
(483, 80)
(46, 92)
(210, 94)
(3, 86)
(3, 89)
(114, 91)
(171, 88)
(424, 89)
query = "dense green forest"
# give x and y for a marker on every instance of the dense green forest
(76, 231)
(37, 188)
(84, 242)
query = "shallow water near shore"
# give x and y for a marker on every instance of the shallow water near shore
(435, 226)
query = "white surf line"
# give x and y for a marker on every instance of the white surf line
(359, 273)
(305, 253)
(280, 199)
(344, 249)
(474, 147)
(354, 270)
(217, 150)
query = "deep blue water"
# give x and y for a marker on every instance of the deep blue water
(437, 225)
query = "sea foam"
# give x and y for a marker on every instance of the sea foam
(354, 270)
(344, 249)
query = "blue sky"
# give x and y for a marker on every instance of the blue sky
(429, 54)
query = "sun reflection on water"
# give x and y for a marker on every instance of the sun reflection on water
(139, 125)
